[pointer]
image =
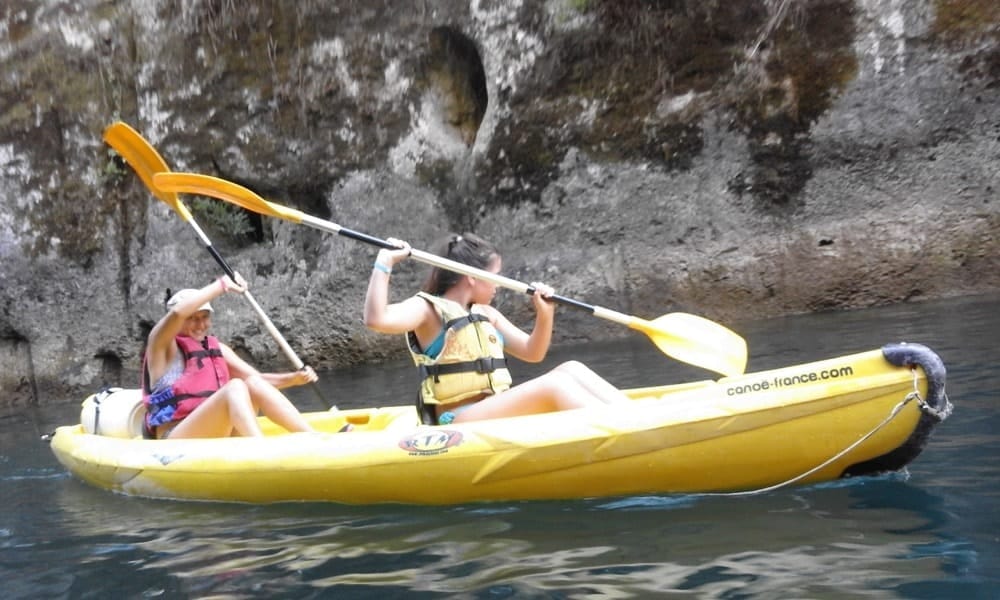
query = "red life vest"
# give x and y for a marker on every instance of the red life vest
(205, 371)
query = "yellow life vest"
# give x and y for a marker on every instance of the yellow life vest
(471, 362)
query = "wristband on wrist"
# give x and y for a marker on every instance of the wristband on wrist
(383, 267)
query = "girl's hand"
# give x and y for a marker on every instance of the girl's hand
(540, 298)
(391, 258)
(237, 285)
(304, 375)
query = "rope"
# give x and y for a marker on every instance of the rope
(914, 395)
(939, 415)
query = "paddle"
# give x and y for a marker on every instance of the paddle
(687, 338)
(146, 162)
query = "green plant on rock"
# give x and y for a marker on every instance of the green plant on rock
(112, 171)
(221, 217)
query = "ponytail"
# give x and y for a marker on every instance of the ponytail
(468, 249)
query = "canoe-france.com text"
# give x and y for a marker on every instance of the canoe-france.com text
(780, 381)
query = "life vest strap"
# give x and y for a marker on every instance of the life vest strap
(459, 322)
(480, 365)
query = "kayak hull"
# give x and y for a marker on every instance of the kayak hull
(859, 414)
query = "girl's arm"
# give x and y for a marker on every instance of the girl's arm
(379, 314)
(241, 369)
(160, 342)
(238, 368)
(534, 346)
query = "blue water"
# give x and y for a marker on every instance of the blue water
(930, 532)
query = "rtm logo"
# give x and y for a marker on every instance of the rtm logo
(431, 442)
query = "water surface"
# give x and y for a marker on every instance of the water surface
(929, 532)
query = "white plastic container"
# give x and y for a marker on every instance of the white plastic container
(115, 412)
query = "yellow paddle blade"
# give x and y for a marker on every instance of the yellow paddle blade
(214, 187)
(697, 341)
(144, 160)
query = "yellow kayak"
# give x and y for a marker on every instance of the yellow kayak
(860, 414)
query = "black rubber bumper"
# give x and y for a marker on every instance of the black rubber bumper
(936, 408)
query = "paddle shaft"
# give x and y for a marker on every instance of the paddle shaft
(264, 319)
(705, 344)
(268, 324)
(457, 267)
(146, 162)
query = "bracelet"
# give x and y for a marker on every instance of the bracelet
(384, 268)
(222, 282)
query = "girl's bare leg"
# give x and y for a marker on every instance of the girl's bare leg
(227, 409)
(275, 405)
(550, 392)
(597, 385)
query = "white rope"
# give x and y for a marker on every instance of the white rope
(914, 395)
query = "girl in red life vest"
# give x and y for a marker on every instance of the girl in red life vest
(195, 386)
(570, 385)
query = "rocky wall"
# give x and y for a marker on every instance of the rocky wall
(735, 160)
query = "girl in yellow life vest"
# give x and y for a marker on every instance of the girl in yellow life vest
(457, 340)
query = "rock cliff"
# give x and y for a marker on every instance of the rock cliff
(733, 159)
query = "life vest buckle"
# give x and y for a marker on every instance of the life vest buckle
(489, 364)
(426, 371)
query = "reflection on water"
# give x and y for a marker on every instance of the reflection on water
(860, 536)
(928, 533)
